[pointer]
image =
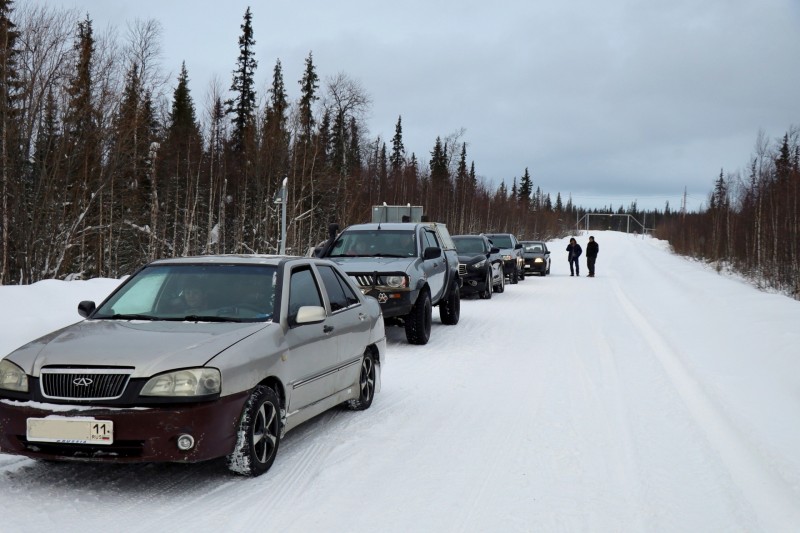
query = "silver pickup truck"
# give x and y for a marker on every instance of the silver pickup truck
(409, 267)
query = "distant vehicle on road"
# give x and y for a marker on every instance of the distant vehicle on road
(536, 257)
(511, 250)
(480, 265)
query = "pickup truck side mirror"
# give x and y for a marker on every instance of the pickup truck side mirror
(432, 252)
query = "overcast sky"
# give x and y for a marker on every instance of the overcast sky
(608, 102)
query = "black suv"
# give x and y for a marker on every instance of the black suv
(511, 250)
(480, 265)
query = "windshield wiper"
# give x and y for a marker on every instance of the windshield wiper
(121, 316)
(209, 318)
(388, 255)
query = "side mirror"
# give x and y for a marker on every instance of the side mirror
(432, 252)
(518, 246)
(310, 314)
(86, 308)
(495, 250)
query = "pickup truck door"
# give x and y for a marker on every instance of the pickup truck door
(435, 269)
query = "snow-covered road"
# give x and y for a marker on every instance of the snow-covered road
(658, 396)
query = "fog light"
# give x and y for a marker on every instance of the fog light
(185, 442)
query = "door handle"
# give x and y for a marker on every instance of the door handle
(327, 329)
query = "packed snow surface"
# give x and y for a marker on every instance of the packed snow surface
(657, 396)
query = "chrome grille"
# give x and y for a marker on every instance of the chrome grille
(462, 269)
(84, 384)
(363, 280)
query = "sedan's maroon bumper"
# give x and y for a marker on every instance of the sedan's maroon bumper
(145, 434)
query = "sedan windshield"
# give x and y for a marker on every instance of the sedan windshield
(195, 293)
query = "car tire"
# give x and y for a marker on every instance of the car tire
(366, 384)
(522, 275)
(259, 434)
(450, 308)
(514, 277)
(486, 294)
(500, 287)
(418, 321)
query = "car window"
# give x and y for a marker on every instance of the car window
(340, 294)
(141, 299)
(387, 243)
(303, 291)
(430, 239)
(470, 246)
(501, 241)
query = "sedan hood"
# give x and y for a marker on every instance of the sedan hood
(468, 259)
(150, 347)
(371, 264)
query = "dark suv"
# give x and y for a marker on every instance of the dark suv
(480, 265)
(511, 250)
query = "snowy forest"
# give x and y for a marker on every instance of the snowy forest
(108, 163)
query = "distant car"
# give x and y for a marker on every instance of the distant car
(536, 257)
(480, 265)
(511, 250)
(193, 359)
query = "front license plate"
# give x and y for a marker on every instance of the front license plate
(71, 430)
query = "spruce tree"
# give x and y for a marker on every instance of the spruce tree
(398, 150)
(9, 146)
(525, 189)
(242, 106)
(308, 95)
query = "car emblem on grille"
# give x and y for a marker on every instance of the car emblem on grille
(382, 298)
(82, 382)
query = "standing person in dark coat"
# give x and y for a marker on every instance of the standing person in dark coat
(575, 251)
(592, 249)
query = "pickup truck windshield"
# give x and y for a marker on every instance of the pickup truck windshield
(375, 243)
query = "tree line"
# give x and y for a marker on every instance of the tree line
(106, 163)
(752, 222)
(104, 168)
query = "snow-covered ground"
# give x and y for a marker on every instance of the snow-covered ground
(658, 396)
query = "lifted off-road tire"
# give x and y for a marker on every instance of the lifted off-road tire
(450, 308)
(418, 321)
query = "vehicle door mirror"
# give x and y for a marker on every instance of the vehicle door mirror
(431, 252)
(518, 246)
(310, 314)
(495, 250)
(86, 308)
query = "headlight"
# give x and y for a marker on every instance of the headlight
(507, 258)
(538, 260)
(396, 282)
(479, 264)
(189, 382)
(12, 377)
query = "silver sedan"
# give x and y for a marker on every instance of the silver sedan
(193, 359)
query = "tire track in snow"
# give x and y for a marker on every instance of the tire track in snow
(766, 491)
